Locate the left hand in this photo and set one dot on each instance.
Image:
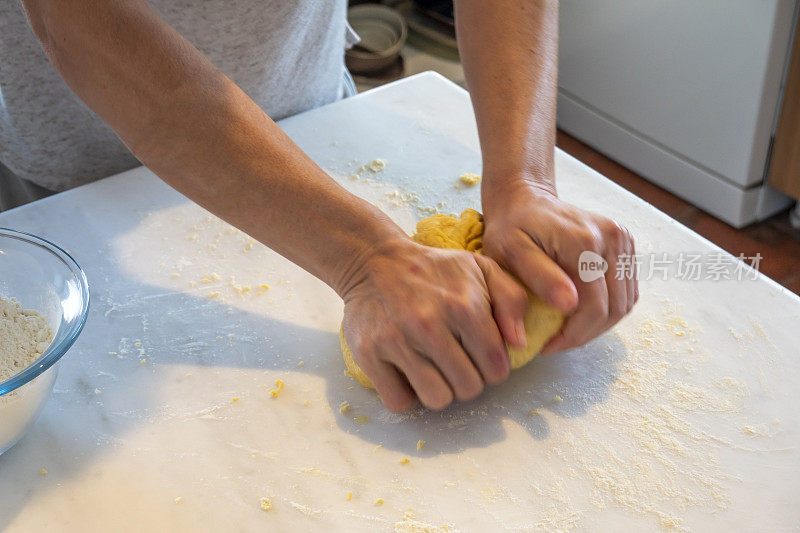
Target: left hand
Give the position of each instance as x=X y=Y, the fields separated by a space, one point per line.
x=539 y=238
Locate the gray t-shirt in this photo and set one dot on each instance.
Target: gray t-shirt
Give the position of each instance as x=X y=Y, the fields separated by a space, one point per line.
x=287 y=55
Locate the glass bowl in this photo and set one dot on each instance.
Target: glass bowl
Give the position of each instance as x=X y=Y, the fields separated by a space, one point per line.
x=43 y=277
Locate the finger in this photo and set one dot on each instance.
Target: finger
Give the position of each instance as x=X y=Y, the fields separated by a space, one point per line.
x=473 y=324
x=587 y=322
x=635 y=277
x=392 y=387
x=630 y=250
x=508 y=299
x=458 y=369
x=540 y=273
x=426 y=380
x=617 y=286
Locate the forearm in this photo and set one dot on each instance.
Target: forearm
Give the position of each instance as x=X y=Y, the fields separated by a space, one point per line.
x=509 y=50
x=200 y=133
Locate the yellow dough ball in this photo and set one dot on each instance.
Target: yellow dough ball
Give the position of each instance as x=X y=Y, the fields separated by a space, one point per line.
x=353 y=370
x=542 y=321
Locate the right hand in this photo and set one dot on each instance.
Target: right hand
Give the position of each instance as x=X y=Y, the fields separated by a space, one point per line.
x=430 y=324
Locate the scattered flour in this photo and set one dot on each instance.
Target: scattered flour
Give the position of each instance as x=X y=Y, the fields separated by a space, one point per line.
x=24 y=337
x=410 y=525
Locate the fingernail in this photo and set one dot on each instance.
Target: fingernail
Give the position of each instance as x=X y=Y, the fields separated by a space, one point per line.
x=519 y=330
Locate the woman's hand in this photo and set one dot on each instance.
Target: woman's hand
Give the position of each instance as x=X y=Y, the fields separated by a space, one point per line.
x=430 y=324
x=539 y=238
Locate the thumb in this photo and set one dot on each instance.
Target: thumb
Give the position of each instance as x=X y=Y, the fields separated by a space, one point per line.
x=509 y=301
x=542 y=276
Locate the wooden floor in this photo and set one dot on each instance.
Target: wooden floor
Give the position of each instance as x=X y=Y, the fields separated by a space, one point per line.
x=775 y=239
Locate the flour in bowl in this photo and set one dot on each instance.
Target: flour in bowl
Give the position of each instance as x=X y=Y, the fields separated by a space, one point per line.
x=24 y=337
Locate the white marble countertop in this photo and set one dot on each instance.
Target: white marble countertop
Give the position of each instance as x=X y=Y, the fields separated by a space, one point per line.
x=684 y=416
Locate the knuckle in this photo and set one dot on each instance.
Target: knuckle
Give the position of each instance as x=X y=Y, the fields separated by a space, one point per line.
x=588 y=239
x=618 y=310
x=498 y=375
x=438 y=403
x=403 y=359
x=421 y=321
x=469 y=391
x=498 y=368
x=389 y=337
x=475 y=305
x=399 y=404
x=439 y=399
x=501 y=248
x=519 y=296
x=394 y=407
x=628 y=235
x=616 y=235
x=609 y=227
x=598 y=310
x=462 y=306
x=363 y=348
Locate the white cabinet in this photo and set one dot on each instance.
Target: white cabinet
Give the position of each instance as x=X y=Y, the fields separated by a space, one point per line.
x=684 y=92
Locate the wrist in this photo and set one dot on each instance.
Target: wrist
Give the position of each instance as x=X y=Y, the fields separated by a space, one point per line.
x=499 y=190
x=371 y=257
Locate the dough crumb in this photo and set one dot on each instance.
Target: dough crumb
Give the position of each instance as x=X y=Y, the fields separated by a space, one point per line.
x=278 y=388
x=143 y=361
x=378 y=447
x=349 y=496
x=379 y=501
x=405 y=461
x=265 y=504
x=213 y=294
x=178 y=499
x=420 y=444
x=210 y=278
x=377 y=165
x=264 y=286
x=344 y=407
x=534 y=412
x=362 y=419
x=301 y=363
x=468 y=178
x=558 y=398
x=43 y=472
x=235 y=399
x=308 y=403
